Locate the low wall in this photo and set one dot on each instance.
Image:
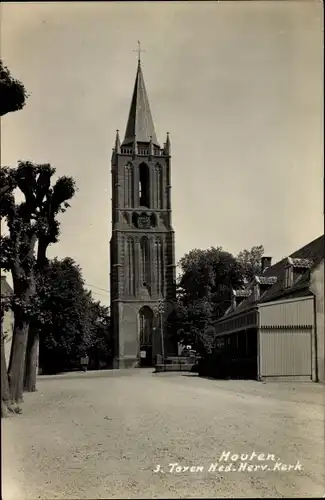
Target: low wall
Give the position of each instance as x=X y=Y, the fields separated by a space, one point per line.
x=176 y=363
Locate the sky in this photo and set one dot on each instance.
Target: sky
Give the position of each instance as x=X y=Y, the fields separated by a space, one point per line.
x=239 y=86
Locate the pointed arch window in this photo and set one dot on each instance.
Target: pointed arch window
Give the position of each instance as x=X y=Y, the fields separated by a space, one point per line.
x=159 y=186
x=129 y=272
x=146 y=324
x=144 y=185
x=159 y=265
x=145 y=262
x=128 y=185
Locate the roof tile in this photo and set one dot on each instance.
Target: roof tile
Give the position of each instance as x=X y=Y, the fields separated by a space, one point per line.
x=242 y=293
x=266 y=280
x=303 y=263
x=311 y=254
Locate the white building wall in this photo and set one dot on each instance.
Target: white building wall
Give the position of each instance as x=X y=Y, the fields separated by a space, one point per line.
x=317 y=287
x=291 y=312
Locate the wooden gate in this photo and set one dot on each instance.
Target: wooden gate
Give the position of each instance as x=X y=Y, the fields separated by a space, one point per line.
x=286 y=353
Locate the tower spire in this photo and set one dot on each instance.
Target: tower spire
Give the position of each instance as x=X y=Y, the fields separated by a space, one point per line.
x=140 y=123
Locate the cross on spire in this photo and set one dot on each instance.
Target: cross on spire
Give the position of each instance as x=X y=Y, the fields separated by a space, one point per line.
x=139 y=50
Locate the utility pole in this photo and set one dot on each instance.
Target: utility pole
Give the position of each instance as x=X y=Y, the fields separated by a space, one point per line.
x=160 y=308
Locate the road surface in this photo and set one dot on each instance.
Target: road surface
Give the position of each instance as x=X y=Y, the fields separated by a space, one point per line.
x=104 y=434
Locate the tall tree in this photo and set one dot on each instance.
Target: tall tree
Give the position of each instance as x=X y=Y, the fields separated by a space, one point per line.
x=28 y=222
x=62 y=314
x=12 y=98
x=4 y=379
x=55 y=201
x=204 y=290
x=12 y=92
x=204 y=293
x=250 y=260
x=98 y=342
x=70 y=321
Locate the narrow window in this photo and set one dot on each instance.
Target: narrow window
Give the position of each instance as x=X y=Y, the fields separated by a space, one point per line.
x=126 y=269
x=128 y=185
x=129 y=270
x=159 y=266
x=145 y=263
x=144 y=186
x=288 y=276
x=159 y=187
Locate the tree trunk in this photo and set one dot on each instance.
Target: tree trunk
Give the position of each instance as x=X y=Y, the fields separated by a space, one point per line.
x=5 y=397
x=32 y=352
x=17 y=359
x=31 y=361
x=24 y=289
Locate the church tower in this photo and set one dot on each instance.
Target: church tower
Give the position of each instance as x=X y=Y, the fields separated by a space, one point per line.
x=142 y=242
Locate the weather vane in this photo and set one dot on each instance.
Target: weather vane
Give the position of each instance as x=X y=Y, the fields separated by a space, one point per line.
x=139 y=50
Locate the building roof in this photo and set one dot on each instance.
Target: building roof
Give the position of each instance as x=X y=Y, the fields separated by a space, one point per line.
x=266 y=280
x=301 y=263
x=307 y=258
x=242 y=293
x=140 y=126
x=5 y=288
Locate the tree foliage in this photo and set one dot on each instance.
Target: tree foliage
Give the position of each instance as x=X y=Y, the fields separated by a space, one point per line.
x=205 y=285
x=32 y=221
x=98 y=341
x=70 y=321
x=12 y=92
x=12 y=98
x=250 y=261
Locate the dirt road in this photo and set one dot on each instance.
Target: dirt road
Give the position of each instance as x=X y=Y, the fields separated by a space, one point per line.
x=104 y=434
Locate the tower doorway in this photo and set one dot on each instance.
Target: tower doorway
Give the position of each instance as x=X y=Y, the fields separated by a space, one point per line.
x=145 y=336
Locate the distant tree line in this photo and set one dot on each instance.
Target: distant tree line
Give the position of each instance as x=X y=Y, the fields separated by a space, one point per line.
x=71 y=323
